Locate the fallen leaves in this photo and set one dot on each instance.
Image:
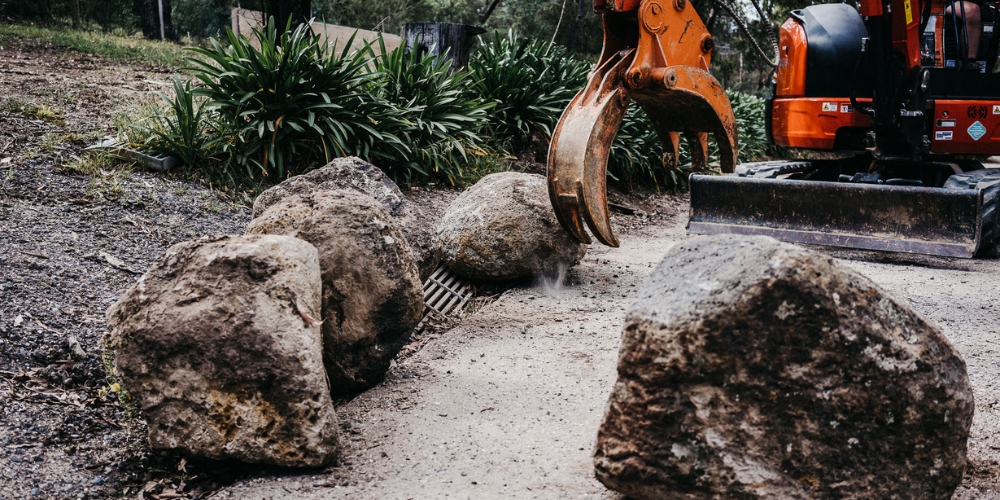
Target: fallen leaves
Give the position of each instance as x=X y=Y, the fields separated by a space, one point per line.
x=40 y=390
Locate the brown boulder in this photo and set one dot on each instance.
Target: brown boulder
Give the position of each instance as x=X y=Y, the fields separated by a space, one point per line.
x=503 y=227
x=751 y=368
x=216 y=343
x=355 y=174
x=372 y=296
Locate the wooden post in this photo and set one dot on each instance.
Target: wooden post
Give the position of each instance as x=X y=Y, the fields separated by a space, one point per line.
x=438 y=38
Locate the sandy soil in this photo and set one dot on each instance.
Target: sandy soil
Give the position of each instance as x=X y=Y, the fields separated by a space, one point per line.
x=503 y=402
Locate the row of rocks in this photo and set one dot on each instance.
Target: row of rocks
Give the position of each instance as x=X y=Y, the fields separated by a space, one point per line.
x=235 y=346
x=501 y=228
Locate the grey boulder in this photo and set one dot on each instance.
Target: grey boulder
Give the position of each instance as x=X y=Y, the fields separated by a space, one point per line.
x=218 y=344
x=358 y=175
x=372 y=296
x=503 y=227
x=751 y=368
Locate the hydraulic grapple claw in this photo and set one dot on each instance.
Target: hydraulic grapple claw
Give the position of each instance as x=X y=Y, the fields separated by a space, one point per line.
x=578 y=152
x=666 y=71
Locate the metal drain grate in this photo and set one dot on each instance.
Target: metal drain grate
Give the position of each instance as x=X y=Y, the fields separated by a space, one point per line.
x=445 y=292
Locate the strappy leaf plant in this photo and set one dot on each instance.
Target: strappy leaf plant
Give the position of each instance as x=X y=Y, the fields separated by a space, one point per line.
x=186 y=130
x=294 y=103
x=530 y=82
x=439 y=121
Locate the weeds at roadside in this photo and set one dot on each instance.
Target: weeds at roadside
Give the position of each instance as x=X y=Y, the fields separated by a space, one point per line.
x=482 y=164
x=43 y=112
x=130 y=418
x=128 y=118
x=107 y=173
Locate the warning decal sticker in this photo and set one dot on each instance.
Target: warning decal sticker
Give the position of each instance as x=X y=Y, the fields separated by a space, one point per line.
x=943 y=135
x=830 y=106
x=977 y=131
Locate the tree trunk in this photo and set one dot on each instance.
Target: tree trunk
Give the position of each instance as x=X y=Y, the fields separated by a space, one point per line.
x=75 y=5
x=282 y=10
x=579 y=24
x=150 y=17
x=438 y=38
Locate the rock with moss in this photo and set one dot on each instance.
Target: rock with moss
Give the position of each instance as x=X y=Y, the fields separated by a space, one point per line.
x=220 y=344
x=355 y=174
x=751 y=368
x=372 y=295
x=503 y=228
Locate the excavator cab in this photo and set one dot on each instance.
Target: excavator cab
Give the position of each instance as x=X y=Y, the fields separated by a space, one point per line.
x=895 y=90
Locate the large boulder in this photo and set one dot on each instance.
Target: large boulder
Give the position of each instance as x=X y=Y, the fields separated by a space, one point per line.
x=751 y=368
x=219 y=345
x=356 y=174
x=372 y=296
x=503 y=228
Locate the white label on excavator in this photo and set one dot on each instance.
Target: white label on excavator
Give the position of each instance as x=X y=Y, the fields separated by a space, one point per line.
x=996 y=109
x=846 y=108
x=943 y=135
x=830 y=106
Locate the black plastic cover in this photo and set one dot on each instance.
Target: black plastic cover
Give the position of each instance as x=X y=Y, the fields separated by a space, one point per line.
x=952 y=84
x=834 y=33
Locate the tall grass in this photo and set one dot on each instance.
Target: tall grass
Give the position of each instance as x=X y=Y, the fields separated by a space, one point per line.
x=261 y=115
x=294 y=104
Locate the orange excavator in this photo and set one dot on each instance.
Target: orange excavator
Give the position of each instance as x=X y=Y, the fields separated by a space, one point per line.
x=905 y=90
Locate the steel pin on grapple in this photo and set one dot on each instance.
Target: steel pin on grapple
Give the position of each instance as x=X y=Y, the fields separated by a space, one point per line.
x=656 y=52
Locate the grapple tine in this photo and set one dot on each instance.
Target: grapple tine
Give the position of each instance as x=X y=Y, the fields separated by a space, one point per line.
x=578 y=152
x=671 y=150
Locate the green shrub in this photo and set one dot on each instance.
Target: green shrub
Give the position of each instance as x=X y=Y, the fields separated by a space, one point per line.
x=529 y=82
x=750 y=123
x=438 y=120
x=294 y=104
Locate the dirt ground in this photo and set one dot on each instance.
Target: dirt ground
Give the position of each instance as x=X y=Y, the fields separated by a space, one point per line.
x=502 y=402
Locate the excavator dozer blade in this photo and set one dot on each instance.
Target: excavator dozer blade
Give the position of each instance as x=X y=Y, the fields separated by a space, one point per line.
x=924 y=220
x=578 y=152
